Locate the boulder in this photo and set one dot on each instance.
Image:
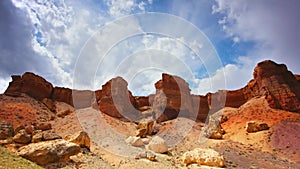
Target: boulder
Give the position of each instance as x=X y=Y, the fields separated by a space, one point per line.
x=37 y=136
x=22 y=137
x=50 y=135
x=49 y=104
x=80 y=138
x=253 y=126
x=208 y=157
x=43 y=126
x=134 y=141
x=213 y=129
x=47 y=152
x=157 y=145
x=147 y=155
x=116 y=101
x=145 y=127
x=6 y=130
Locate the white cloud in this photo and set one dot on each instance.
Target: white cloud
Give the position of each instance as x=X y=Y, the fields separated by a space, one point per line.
x=235 y=76
x=119 y=8
x=272 y=25
x=3 y=85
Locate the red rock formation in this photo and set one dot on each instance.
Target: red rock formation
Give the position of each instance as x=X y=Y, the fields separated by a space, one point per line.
x=15 y=86
x=203 y=107
x=279 y=86
x=172 y=97
x=36 y=86
x=62 y=94
x=143 y=103
x=31 y=84
x=117 y=101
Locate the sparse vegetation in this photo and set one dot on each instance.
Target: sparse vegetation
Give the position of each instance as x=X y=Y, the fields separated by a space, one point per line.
x=12 y=161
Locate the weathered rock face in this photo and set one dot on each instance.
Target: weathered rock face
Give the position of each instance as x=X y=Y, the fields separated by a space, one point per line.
x=15 y=86
x=203 y=107
x=157 y=145
x=36 y=86
x=208 y=157
x=6 y=130
x=48 y=152
x=117 y=101
x=62 y=94
x=80 y=138
x=172 y=96
x=281 y=88
x=31 y=84
x=253 y=126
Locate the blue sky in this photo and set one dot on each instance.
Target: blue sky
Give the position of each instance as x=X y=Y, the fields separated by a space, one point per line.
x=51 y=38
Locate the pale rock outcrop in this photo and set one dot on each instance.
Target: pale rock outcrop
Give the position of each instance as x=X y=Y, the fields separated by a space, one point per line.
x=80 y=138
x=157 y=145
x=208 y=157
x=213 y=129
x=48 y=152
x=145 y=127
x=147 y=155
x=50 y=135
x=134 y=141
x=37 y=136
x=22 y=137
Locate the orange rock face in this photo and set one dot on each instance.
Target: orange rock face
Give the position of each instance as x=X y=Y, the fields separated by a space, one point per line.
x=172 y=98
x=277 y=84
x=62 y=94
x=117 y=101
x=31 y=84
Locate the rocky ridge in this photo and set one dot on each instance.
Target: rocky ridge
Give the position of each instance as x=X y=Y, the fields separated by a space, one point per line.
x=173 y=98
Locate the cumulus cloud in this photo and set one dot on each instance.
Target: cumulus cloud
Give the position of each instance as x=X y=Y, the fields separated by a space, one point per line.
x=272 y=25
x=16 y=51
x=235 y=76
